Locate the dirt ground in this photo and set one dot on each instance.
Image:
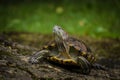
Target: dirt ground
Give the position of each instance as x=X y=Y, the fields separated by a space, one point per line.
x=16 y=48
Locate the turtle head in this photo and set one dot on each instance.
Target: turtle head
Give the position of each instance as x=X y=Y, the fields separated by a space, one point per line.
x=61 y=38
x=59 y=33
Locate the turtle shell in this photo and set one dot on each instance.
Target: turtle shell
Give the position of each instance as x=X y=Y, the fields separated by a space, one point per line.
x=77 y=48
x=78 y=44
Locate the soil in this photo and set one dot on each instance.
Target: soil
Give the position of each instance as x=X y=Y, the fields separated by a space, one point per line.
x=16 y=48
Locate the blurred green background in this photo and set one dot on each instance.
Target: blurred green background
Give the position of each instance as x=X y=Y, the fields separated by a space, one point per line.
x=95 y=18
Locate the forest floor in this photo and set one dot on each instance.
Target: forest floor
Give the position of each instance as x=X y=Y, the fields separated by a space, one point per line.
x=16 y=48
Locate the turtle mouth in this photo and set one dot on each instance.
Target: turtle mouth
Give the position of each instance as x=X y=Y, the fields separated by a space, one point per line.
x=58 y=33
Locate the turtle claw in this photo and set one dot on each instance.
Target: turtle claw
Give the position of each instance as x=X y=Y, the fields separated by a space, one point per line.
x=33 y=61
x=35 y=58
x=99 y=67
x=84 y=65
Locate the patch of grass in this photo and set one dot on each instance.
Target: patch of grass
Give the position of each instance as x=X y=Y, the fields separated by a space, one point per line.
x=89 y=18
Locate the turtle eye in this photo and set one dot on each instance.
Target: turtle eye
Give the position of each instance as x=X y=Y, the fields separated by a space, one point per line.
x=80 y=51
x=59 y=28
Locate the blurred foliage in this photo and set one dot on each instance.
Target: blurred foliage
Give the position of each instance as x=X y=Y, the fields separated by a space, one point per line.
x=96 y=18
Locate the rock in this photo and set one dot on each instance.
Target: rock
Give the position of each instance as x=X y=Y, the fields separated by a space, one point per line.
x=14 y=63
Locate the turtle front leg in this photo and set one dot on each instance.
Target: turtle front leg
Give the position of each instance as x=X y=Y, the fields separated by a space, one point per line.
x=35 y=58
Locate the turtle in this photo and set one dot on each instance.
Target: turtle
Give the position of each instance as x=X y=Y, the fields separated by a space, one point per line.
x=67 y=51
